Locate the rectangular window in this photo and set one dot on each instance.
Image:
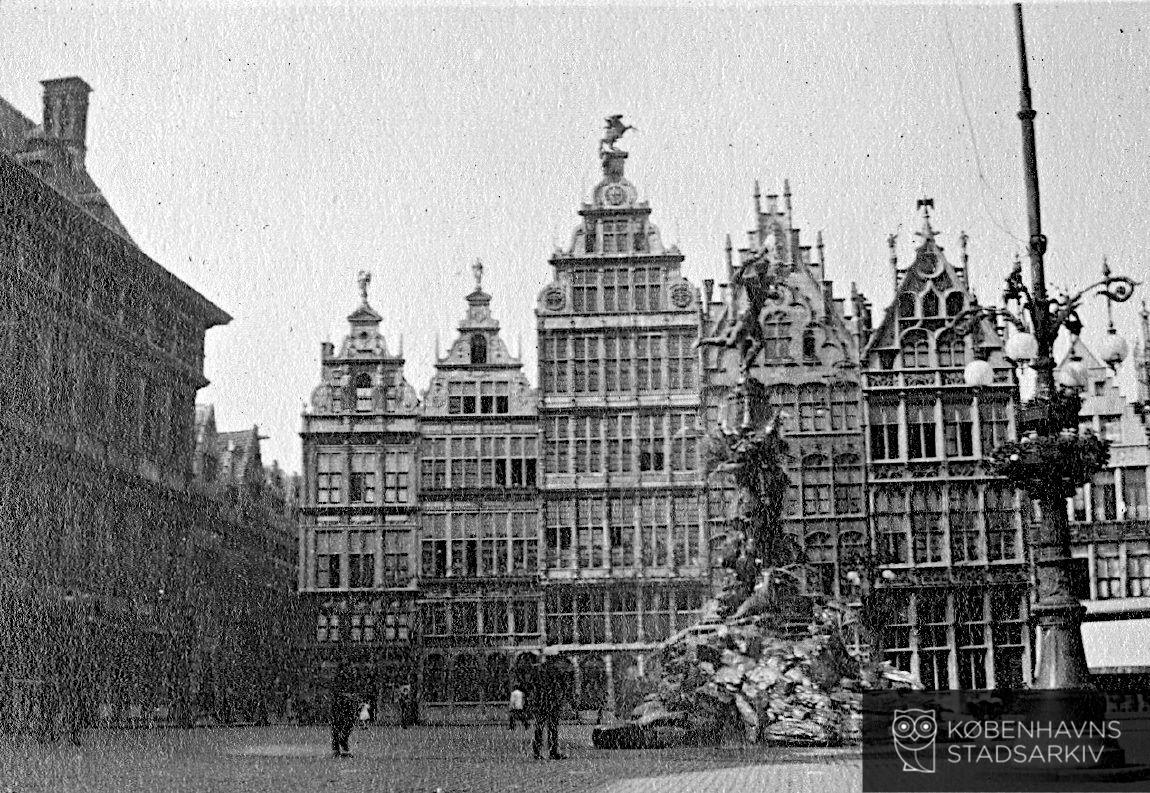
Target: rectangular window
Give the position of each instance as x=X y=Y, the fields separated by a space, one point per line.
x=994 y=424
x=958 y=427
x=329 y=478
x=1105 y=495
x=464 y=618
x=654 y=531
x=848 y=485
x=1137 y=569
x=395 y=473
x=926 y=524
x=396 y=567
x=649 y=362
x=328 y=545
x=615 y=235
x=624 y=610
x=920 y=428
x=656 y=615
x=1001 y=534
x=584 y=291
x=895 y=607
x=890 y=526
x=684 y=441
x=524 y=617
x=621 y=520
x=495 y=620
x=361 y=487
x=435 y=619
x=680 y=361
x=884 y=431
x=970 y=629
x=844 y=408
x=651 y=443
x=933 y=642
x=1107 y=571
x=1134 y=494
x=965 y=539
x=609 y=295
x=361 y=560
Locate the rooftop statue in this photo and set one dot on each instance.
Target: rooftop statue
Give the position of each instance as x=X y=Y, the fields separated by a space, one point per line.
x=612 y=132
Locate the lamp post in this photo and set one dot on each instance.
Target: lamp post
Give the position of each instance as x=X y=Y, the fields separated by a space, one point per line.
x=1052 y=412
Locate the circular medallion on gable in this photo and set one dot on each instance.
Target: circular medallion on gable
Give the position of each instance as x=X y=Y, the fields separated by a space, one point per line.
x=614 y=195
x=554 y=299
x=681 y=296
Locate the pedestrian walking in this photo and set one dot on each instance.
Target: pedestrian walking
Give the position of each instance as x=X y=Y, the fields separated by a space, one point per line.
x=342 y=720
x=406 y=706
x=551 y=691
x=364 y=715
x=517 y=710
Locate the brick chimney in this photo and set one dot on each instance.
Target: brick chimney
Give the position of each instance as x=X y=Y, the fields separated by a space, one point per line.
x=66 y=113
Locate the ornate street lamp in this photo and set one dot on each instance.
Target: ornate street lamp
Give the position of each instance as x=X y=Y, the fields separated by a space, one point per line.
x=1051 y=458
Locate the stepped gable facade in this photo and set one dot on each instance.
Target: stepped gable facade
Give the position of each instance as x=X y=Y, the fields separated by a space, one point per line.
x=624 y=553
x=359 y=509
x=479 y=561
x=808 y=363
x=951 y=536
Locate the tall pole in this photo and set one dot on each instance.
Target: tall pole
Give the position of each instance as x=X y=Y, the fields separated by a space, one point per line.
x=1058 y=614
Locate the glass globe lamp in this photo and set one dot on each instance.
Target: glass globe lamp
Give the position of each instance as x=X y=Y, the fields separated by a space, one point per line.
x=1021 y=347
x=978 y=373
x=1074 y=374
x=1113 y=349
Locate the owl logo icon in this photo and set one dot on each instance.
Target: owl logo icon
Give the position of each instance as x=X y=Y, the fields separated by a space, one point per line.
x=914 y=732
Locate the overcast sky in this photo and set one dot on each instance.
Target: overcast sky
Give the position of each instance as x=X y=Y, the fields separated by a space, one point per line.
x=265 y=152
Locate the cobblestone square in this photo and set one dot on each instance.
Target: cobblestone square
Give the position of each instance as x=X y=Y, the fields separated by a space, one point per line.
x=390 y=760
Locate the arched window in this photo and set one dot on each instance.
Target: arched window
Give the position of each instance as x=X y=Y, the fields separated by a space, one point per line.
x=954 y=304
x=593 y=691
x=915 y=350
x=951 y=349
x=848 y=484
x=363 y=393
x=466 y=679
x=810 y=349
x=821 y=561
x=930 y=304
x=852 y=555
x=478 y=348
x=777 y=336
x=906 y=307
x=496 y=678
x=434 y=679
x=816 y=485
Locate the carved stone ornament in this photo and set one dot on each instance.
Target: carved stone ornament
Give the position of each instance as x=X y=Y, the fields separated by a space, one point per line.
x=554 y=299
x=681 y=295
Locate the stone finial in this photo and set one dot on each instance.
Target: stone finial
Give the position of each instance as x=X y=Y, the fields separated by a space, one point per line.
x=477 y=271
x=364 y=280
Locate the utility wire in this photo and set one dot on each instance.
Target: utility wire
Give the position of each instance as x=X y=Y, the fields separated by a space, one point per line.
x=958 y=70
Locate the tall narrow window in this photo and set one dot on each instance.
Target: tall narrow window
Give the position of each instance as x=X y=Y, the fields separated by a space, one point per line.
x=884 y=431
x=616 y=238
x=478 y=348
x=584 y=289
x=361 y=560
x=816 y=485
x=994 y=425
x=821 y=562
x=930 y=304
x=933 y=642
x=329 y=478
x=777 y=336
x=915 y=350
x=363 y=393
x=327 y=560
x=848 y=484
x=958 y=427
x=361 y=488
x=970 y=627
x=926 y=524
x=1137 y=569
x=395 y=474
x=1107 y=571
x=1134 y=493
x=920 y=430
x=813 y=413
x=1001 y=534
x=810 y=350
x=906 y=306
x=890 y=526
x=1105 y=498
x=844 y=408
x=965 y=539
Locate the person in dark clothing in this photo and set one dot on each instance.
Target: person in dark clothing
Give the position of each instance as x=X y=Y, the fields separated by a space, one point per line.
x=549 y=692
x=343 y=714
